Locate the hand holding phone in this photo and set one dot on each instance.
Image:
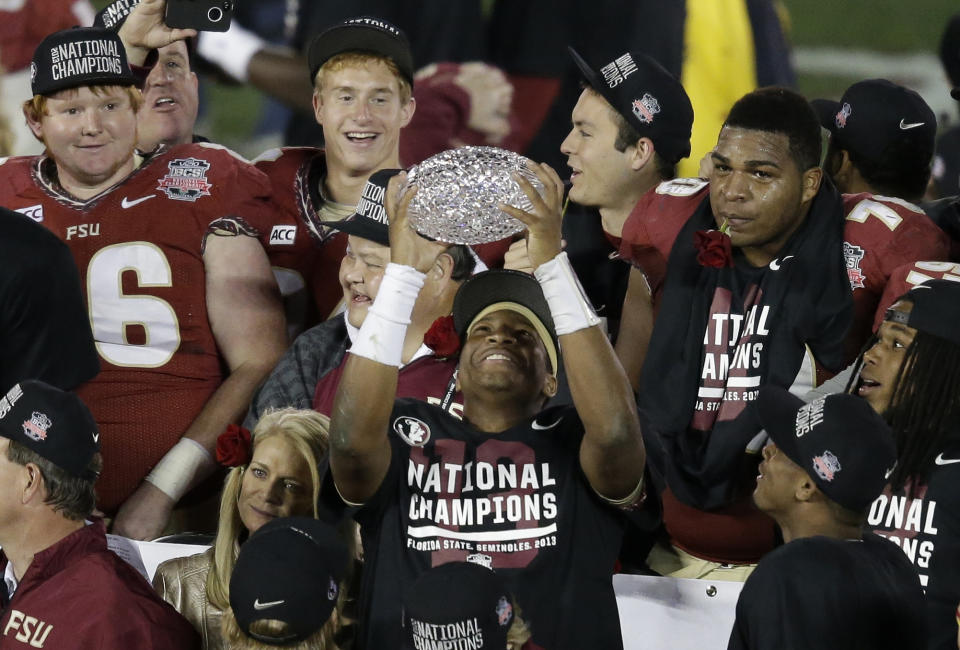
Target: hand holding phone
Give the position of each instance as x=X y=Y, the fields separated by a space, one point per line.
x=201 y=15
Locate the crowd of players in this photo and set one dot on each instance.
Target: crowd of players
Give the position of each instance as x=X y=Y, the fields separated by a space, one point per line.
x=456 y=446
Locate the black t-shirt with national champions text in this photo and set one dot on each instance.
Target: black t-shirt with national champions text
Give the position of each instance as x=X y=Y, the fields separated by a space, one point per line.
x=517 y=502
x=923 y=519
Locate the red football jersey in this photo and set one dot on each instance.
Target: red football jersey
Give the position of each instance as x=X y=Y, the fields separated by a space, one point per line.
x=881 y=234
x=655 y=222
x=304 y=254
x=24 y=23
x=138 y=247
x=906 y=277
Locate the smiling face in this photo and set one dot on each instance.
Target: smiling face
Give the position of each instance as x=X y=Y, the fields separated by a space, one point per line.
x=361 y=271
x=881 y=363
x=757 y=188
x=503 y=353
x=362 y=109
x=598 y=172
x=90 y=136
x=170 y=100
x=276 y=483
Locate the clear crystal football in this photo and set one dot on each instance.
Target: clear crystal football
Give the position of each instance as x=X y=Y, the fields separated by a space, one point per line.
x=458 y=192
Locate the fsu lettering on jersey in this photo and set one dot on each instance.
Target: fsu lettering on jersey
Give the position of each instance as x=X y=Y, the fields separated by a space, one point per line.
x=138 y=247
x=516 y=502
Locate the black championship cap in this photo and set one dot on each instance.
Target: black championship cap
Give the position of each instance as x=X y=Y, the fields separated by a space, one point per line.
x=363 y=34
x=370 y=219
x=53 y=423
x=648 y=97
x=290 y=571
x=114 y=14
x=457 y=605
x=936 y=309
x=82 y=56
x=500 y=289
x=874 y=114
x=839 y=440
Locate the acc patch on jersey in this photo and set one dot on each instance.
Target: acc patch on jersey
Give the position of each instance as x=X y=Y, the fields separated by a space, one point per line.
x=414 y=432
x=853 y=255
x=187 y=179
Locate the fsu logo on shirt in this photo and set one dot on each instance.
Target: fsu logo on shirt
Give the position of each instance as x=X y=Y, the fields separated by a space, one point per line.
x=414 y=432
x=187 y=180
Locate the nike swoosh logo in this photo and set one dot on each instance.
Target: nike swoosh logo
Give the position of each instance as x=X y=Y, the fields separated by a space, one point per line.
x=887 y=474
x=905 y=127
x=940 y=460
x=126 y=203
x=96 y=437
x=775 y=264
x=536 y=426
x=273 y=603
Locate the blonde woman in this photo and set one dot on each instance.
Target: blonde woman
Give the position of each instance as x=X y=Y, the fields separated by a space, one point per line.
x=276 y=478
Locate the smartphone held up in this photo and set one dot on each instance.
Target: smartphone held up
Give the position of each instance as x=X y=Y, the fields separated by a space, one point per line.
x=201 y=15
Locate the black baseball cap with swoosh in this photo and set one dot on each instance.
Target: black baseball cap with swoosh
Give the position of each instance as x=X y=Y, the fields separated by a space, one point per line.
x=289 y=570
x=875 y=114
x=54 y=423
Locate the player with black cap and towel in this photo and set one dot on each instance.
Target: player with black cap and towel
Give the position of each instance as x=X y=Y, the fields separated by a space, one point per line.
x=535 y=494
x=62 y=587
x=183 y=305
x=286 y=586
x=830 y=585
x=911 y=376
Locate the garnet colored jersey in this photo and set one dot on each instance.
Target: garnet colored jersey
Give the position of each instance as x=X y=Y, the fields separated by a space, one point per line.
x=139 y=249
x=517 y=502
x=923 y=519
x=880 y=234
x=24 y=23
x=906 y=277
x=304 y=254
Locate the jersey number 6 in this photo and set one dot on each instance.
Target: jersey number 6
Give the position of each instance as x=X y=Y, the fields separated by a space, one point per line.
x=112 y=311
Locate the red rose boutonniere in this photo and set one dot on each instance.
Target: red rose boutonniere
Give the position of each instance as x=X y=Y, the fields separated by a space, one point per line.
x=713 y=247
x=233 y=446
x=442 y=337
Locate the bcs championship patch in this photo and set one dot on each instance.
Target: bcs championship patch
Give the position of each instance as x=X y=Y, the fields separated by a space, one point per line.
x=414 y=432
x=852 y=255
x=187 y=179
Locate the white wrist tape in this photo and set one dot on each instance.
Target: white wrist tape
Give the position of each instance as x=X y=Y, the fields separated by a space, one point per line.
x=383 y=330
x=230 y=50
x=181 y=468
x=568 y=306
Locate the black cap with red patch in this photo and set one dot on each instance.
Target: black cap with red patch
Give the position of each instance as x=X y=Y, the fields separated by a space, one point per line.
x=648 y=97
x=838 y=440
x=54 y=423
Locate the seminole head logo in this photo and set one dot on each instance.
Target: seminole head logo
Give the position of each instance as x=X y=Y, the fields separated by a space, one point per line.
x=826 y=465
x=36 y=427
x=842 y=115
x=414 y=432
x=646 y=107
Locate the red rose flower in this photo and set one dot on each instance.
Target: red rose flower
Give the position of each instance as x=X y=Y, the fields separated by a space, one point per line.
x=442 y=337
x=233 y=446
x=713 y=248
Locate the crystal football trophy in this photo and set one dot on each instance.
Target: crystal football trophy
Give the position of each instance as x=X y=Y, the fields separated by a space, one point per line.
x=458 y=192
